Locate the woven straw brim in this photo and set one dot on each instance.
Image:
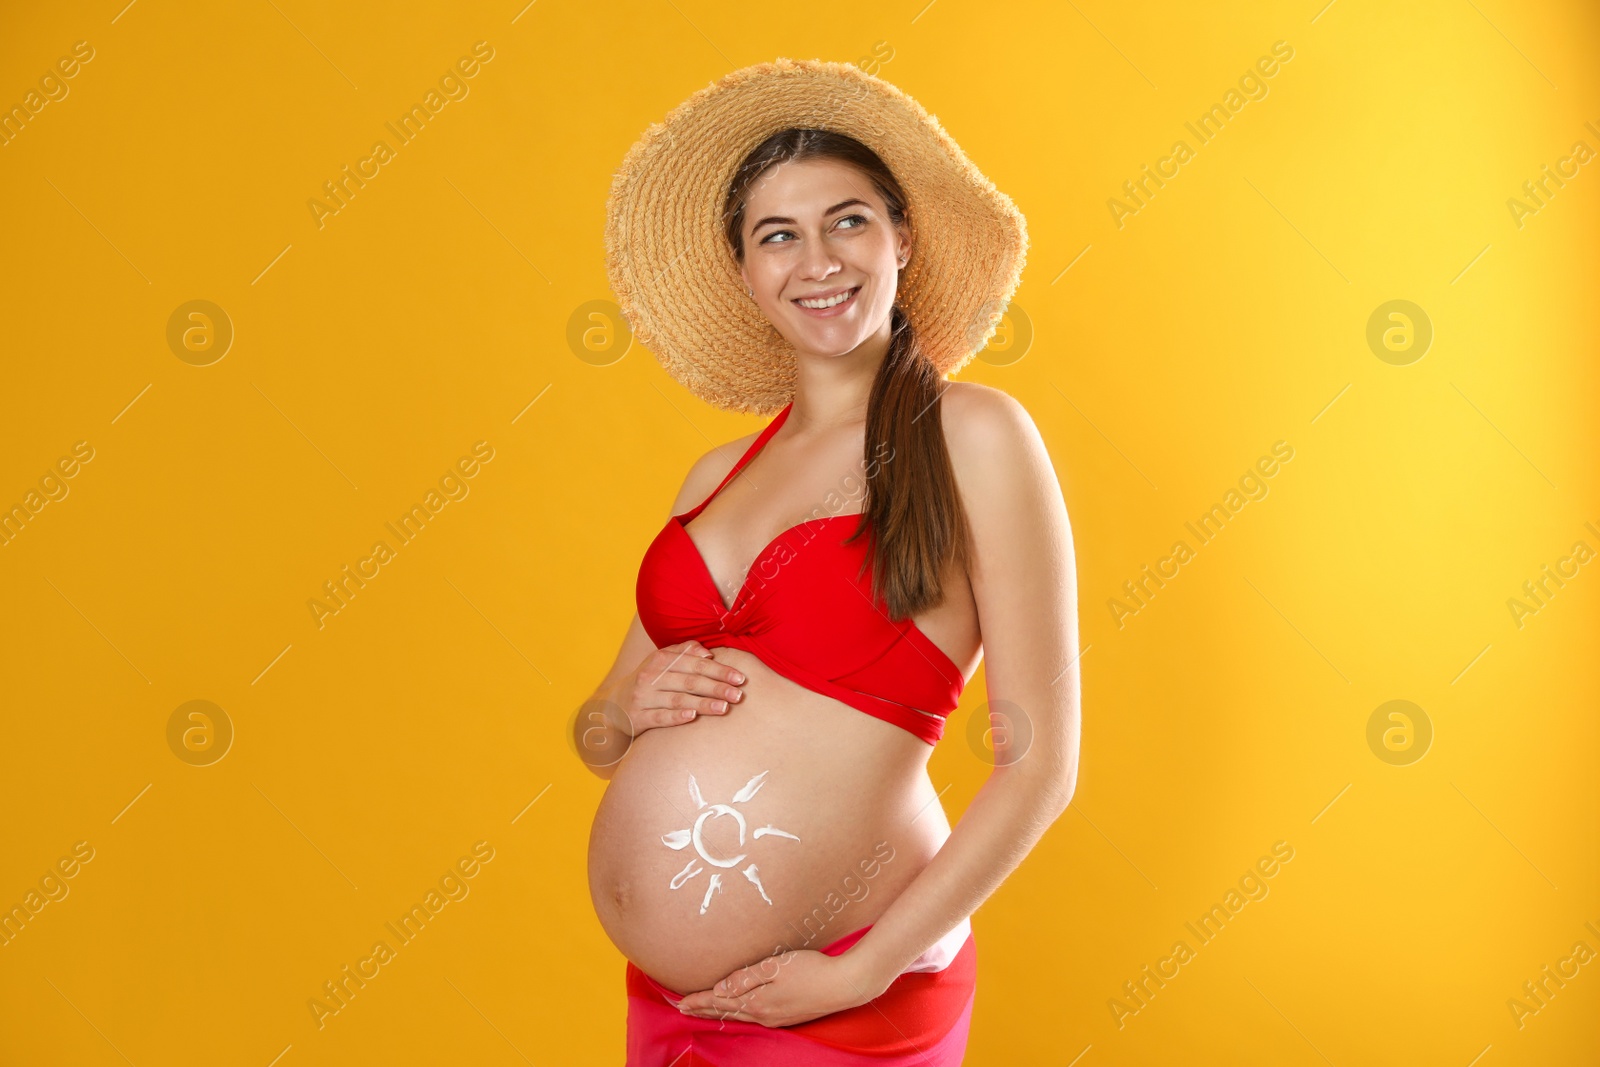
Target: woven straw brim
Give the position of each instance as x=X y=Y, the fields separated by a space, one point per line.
x=677 y=281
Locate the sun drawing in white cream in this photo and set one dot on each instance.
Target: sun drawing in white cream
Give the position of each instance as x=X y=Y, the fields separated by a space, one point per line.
x=678 y=839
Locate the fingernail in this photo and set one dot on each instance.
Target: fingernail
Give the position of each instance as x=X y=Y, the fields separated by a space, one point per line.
x=738 y=679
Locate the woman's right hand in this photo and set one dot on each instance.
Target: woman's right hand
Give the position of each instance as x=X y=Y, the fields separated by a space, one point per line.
x=675 y=684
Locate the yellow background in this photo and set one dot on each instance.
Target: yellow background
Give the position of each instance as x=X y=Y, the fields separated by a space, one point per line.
x=431 y=311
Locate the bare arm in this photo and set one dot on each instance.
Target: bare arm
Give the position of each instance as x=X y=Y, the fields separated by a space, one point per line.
x=601 y=730
x=1024 y=581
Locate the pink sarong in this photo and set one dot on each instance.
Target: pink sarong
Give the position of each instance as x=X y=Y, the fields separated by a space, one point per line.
x=921 y=1020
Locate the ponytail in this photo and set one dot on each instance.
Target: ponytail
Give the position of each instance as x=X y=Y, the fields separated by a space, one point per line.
x=912 y=505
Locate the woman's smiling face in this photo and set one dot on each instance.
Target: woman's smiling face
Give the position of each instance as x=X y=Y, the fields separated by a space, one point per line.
x=814 y=230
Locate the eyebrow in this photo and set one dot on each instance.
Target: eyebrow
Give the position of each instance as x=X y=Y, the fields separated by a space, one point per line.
x=779 y=219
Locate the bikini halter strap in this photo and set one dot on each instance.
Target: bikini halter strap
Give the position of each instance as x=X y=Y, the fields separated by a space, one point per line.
x=749 y=453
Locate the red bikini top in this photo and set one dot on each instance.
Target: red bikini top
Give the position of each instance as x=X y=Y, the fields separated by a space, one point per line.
x=804 y=612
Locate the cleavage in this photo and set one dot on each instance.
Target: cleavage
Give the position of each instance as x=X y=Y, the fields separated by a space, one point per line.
x=709 y=563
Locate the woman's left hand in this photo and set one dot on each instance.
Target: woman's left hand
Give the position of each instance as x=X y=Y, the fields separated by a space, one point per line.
x=792 y=987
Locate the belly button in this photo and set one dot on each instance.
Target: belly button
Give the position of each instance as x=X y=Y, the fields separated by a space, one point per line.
x=621 y=896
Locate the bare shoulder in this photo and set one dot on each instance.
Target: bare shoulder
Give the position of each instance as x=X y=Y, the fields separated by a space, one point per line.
x=707 y=472
x=987 y=429
x=1003 y=470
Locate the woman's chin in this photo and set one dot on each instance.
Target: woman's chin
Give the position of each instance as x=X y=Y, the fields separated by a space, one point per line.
x=824 y=344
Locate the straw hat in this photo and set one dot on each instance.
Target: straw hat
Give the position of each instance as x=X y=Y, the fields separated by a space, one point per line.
x=677 y=281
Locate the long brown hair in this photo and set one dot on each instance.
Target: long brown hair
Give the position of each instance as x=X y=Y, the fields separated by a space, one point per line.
x=912 y=509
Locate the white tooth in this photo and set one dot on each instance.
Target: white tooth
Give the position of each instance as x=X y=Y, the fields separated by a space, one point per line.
x=828 y=303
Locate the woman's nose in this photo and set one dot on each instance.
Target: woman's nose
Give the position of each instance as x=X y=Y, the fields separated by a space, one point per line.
x=817 y=262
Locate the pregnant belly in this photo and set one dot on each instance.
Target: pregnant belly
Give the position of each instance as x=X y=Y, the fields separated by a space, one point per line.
x=785 y=824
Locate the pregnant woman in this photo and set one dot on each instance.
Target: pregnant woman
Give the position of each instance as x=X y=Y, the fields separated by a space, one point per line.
x=803 y=240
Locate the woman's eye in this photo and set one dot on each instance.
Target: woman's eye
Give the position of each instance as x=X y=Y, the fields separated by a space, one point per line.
x=862 y=219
